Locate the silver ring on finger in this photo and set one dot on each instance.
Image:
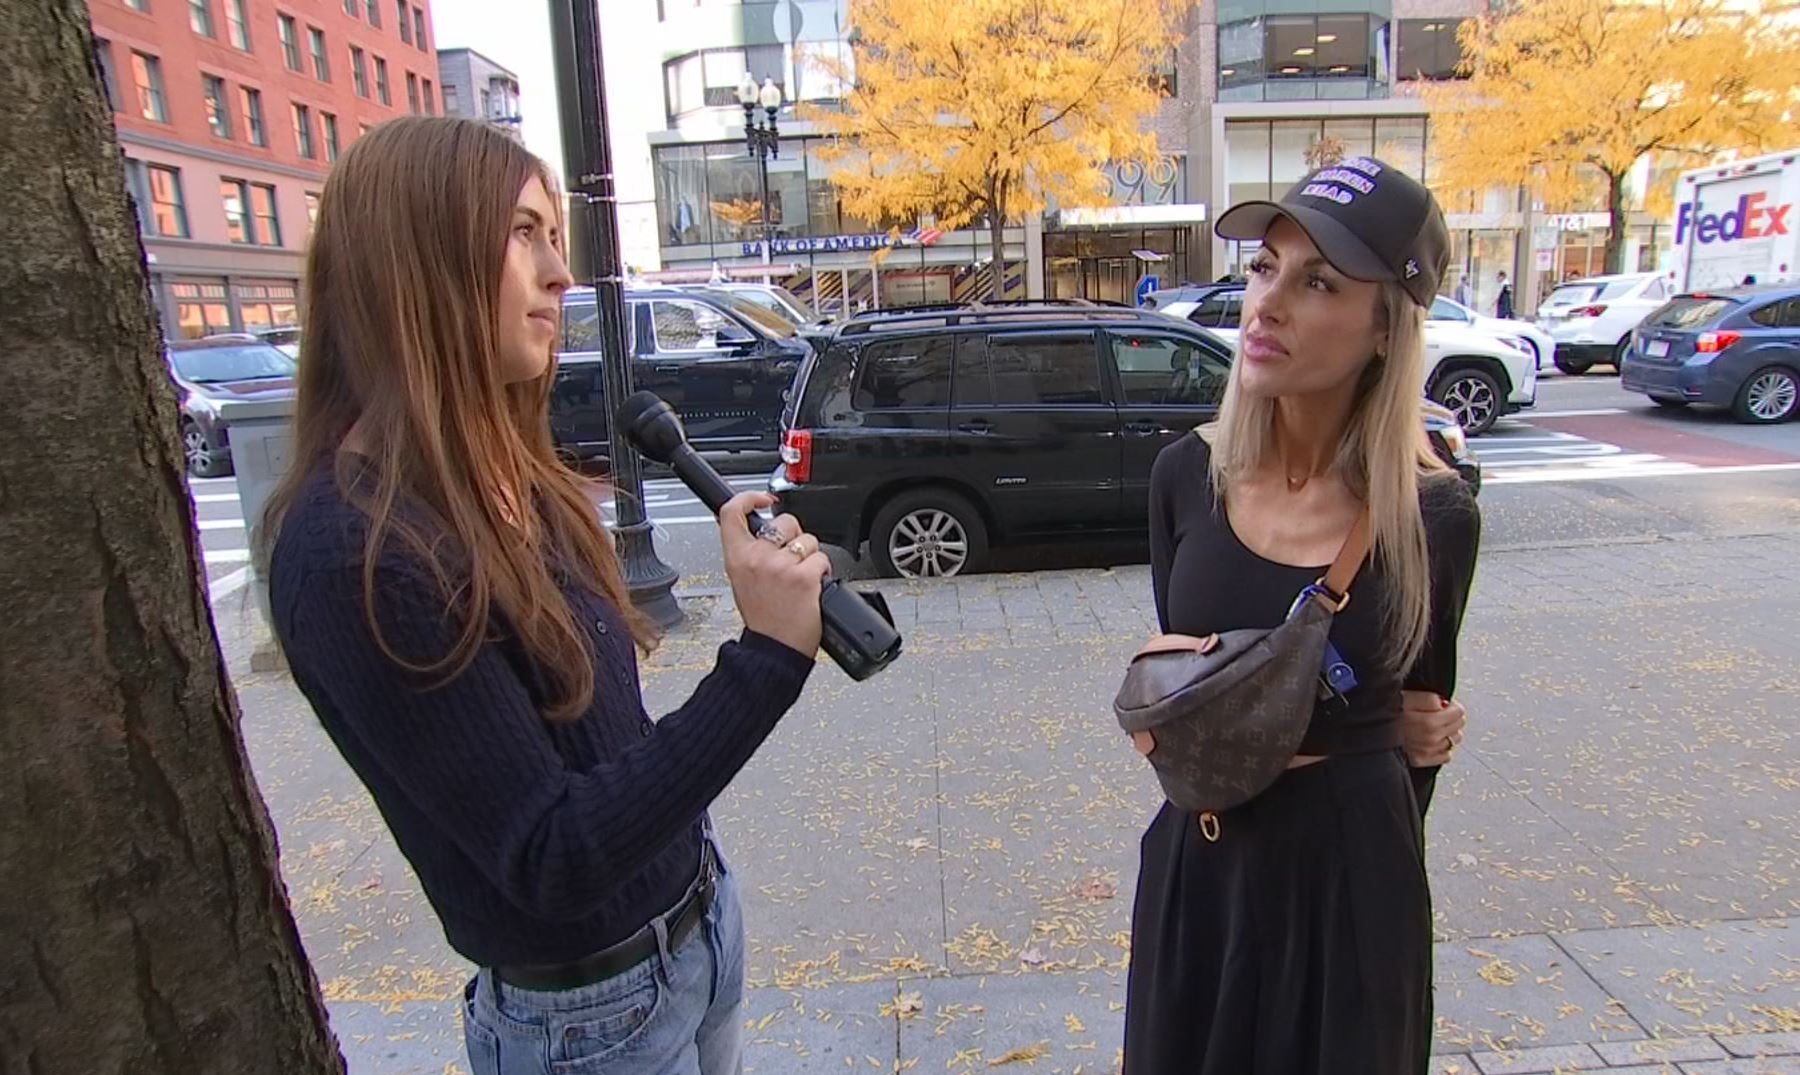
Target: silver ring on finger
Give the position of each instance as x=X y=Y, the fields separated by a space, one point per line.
x=772 y=534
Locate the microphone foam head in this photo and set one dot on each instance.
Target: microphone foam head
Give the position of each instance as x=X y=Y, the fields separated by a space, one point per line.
x=652 y=425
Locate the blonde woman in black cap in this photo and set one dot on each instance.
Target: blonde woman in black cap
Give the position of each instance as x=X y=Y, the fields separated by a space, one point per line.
x=1292 y=935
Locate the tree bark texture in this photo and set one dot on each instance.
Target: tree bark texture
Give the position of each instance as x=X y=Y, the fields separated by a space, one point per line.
x=144 y=926
x=1617 y=222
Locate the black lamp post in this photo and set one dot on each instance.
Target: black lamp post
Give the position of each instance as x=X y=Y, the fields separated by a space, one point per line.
x=587 y=153
x=763 y=141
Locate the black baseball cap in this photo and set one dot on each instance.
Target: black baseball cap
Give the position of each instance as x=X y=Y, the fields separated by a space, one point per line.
x=1370 y=220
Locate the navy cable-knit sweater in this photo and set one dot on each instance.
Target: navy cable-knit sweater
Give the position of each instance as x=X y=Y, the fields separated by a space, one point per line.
x=536 y=842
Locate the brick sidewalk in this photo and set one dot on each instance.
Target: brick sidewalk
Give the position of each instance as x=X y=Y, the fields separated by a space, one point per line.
x=938 y=863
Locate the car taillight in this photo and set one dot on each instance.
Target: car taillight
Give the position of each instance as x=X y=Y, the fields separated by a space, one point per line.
x=796 y=455
x=1711 y=343
x=1587 y=311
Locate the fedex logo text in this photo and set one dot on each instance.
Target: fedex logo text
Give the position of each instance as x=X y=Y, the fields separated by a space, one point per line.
x=1751 y=219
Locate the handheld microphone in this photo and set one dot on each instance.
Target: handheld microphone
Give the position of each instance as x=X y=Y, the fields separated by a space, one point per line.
x=857 y=628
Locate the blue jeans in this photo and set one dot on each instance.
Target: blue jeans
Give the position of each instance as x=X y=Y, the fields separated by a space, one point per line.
x=676 y=1013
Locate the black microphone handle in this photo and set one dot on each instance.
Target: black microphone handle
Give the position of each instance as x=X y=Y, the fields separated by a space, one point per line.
x=700 y=477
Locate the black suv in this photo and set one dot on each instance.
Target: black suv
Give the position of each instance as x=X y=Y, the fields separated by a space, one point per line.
x=724 y=363
x=935 y=433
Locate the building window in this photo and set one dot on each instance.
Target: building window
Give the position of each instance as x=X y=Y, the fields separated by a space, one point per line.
x=352 y=10
x=419 y=27
x=201 y=309
x=312 y=210
x=359 y=73
x=1164 y=78
x=267 y=304
x=681 y=204
x=400 y=17
x=412 y=92
x=290 y=41
x=235 y=193
x=200 y=17
x=709 y=79
x=250 y=213
x=430 y=99
x=250 y=101
x=303 y=137
x=262 y=210
x=321 y=66
x=157 y=191
x=146 y=72
x=218 y=114
x=374 y=7
x=450 y=102
x=331 y=135
x=1303 y=57
x=381 y=82
x=1429 y=49
x=237 y=23
x=138 y=5
x=487 y=104
x=109 y=81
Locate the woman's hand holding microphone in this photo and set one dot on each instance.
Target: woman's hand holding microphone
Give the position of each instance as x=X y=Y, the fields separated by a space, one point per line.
x=776 y=584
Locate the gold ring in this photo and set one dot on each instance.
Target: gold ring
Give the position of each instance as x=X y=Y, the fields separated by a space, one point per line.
x=797 y=549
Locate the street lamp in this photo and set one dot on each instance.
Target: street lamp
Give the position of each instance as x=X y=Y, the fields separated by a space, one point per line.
x=587 y=153
x=763 y=142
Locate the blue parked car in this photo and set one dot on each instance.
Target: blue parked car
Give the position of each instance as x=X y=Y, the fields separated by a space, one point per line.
x=1736 y=348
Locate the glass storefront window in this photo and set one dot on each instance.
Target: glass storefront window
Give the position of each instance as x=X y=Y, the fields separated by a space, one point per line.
x=1247 y=163
x=1357 y=136
x=1288 y=142
x=733 y=197
x=201 y=308
x=681 y=195
x=1401 y=142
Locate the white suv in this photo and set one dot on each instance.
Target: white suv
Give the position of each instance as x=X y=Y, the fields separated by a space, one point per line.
x=1476 y=376
x=1534 y=339
x=1591 y=320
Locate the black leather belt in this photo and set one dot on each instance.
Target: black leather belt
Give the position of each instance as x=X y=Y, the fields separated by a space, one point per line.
x=681 y=922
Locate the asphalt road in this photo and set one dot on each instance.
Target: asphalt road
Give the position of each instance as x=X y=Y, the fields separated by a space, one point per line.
x=1588 y=464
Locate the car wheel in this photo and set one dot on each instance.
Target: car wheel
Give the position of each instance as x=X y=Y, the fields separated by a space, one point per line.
x=928 y=533
x=203 y=459
x=1472 y=396
x=1618 y=355
x=1770 y=395
x=1573 y=367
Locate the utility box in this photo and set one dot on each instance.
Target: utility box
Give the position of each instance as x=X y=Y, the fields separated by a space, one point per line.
x=262 y=449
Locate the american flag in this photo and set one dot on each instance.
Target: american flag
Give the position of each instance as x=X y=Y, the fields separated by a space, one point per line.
x=923 y=236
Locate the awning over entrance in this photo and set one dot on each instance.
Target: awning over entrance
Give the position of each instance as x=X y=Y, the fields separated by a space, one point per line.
x=1131 y=216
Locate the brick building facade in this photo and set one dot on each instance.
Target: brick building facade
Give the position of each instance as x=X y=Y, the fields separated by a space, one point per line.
x=229 y=114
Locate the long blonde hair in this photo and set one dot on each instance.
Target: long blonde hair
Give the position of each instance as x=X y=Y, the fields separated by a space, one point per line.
x=457 y=466
x=1382 y=457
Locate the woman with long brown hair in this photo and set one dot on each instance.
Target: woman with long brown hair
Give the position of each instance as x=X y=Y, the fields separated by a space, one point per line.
x=1291 y=935
x=453 y=610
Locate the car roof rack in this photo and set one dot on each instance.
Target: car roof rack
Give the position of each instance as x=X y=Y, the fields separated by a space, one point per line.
x=944 y=314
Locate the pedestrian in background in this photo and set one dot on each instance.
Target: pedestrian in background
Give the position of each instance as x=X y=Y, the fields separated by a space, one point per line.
x=1291 y=935
x=1503 y=306
x=1464 y=293
x=456 y=616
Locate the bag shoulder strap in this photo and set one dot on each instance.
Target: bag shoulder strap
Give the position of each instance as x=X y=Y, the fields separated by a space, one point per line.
x=1349 y=560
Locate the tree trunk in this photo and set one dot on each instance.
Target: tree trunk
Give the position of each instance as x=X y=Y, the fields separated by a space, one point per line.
x=1616 y=224
x=997 y=240
x=144 y=926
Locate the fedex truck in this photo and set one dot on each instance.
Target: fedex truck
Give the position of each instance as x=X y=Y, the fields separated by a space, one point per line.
x=1737 y=220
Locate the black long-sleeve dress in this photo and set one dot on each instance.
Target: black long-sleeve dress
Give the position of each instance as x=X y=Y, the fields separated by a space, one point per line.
x=1298 y=942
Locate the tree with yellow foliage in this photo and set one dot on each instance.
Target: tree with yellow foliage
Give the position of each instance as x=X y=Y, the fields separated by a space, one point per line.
x=972 y=109
x=1564 y=97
